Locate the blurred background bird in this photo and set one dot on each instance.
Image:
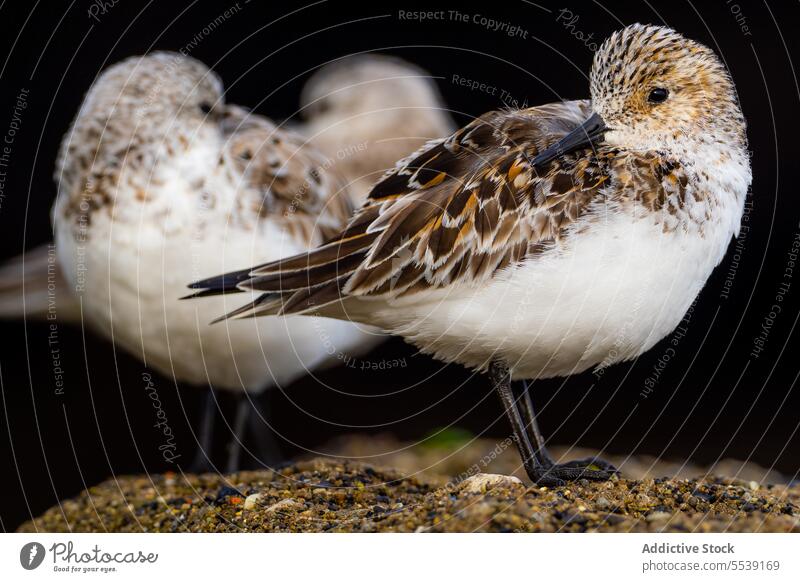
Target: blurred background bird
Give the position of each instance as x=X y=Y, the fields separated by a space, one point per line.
x=160 y=181
x=365 y=112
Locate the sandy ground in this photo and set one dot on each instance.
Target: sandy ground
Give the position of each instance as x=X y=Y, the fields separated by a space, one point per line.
x=452 y=452
x=431 y=488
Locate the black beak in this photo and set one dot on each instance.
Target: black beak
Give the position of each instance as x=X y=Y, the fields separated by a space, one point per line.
x=586 y=134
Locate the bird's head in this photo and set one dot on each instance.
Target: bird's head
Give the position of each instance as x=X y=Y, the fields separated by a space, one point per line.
x=368 y=111
x=139 y=108
x=159 y=90
x=367 y=83
x=653 y=89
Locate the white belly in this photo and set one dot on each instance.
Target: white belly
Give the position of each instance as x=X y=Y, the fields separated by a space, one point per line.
x=130 y=281
x=614 y=292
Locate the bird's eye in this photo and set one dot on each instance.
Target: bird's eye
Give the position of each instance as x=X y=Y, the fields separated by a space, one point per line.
x=205 y=107
x=658 y=95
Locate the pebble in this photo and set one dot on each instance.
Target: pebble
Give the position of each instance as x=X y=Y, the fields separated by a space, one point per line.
x=602 y=503
x=483 y=482
x=251 y=502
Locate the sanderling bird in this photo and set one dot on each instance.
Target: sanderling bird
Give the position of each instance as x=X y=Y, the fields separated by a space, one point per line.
x=160 y=181
x=541 y=242
x=367 y=111
x=362 y=112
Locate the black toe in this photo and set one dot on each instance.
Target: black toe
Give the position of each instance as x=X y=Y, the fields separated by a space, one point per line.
x=590 y=468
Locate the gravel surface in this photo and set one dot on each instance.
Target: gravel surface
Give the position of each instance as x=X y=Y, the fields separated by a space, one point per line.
x=349 y=496
x=454 y=452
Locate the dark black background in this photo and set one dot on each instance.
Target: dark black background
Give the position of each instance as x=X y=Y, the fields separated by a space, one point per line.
x=712 y=400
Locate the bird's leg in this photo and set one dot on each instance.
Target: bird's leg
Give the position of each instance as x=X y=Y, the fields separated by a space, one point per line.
x=268 y=452
x=500 y=376
x=532 y=426
x=235 y=445
x=202 y=458
x=250 y=417
x=548 y=475
x=563 y=470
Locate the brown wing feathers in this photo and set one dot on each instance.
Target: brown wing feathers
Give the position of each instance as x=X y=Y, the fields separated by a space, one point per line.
x=458 y=210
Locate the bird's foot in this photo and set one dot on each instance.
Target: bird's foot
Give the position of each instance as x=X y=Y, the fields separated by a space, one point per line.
x=558 y=474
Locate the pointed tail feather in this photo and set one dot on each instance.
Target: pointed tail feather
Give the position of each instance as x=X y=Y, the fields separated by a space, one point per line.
x=331 y=252
x=285 y=282
x=265 y=304
x=220 y=283
x=299 y=284
x=33 y=285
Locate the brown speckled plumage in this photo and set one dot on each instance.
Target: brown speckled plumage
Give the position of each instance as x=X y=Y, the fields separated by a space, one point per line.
x=500 y=210
x=465 y=207
x=170 y=104
x=284 y=179
x=161 y=181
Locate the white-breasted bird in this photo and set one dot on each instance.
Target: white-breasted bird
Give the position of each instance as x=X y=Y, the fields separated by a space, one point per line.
x=366 y=111
x=160 y=181
x=542 y=242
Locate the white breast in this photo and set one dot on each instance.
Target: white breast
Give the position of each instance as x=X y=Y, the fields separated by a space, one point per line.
x=611 y=293
x=135 y=263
